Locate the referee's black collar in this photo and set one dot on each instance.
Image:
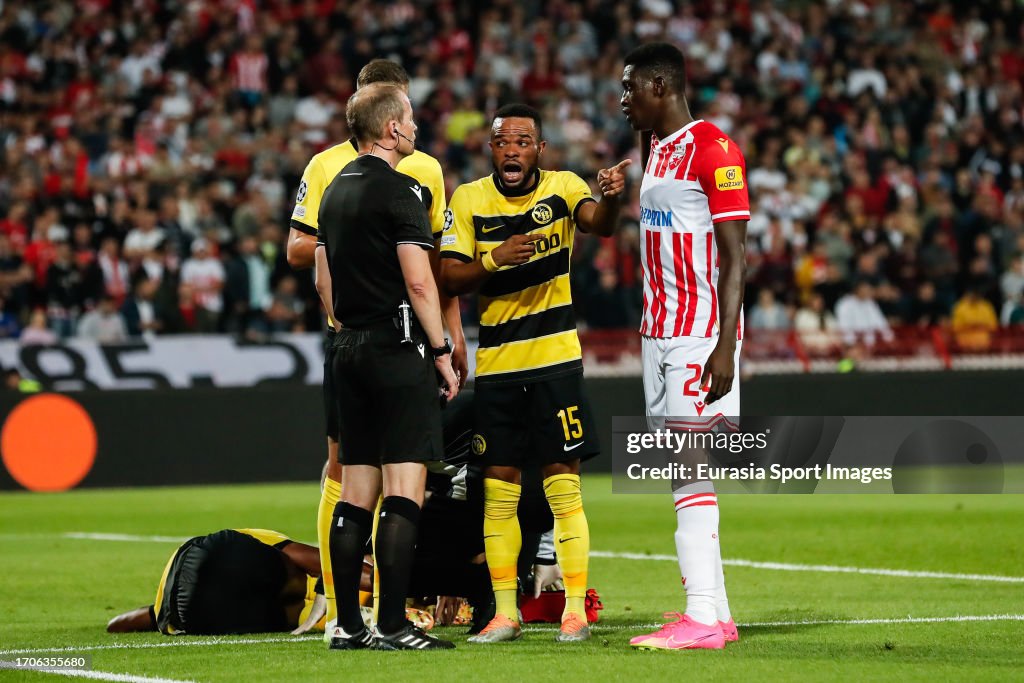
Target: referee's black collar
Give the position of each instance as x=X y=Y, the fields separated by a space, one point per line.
x=355 y=145
x=374 y=156
x=508 y=192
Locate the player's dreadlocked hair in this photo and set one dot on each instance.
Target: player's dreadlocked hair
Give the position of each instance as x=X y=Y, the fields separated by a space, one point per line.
x=660 y=59
x=519 y=111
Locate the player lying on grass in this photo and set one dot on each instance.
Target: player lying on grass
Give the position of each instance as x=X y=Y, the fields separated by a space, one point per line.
x=260 y=581
x=230 y=581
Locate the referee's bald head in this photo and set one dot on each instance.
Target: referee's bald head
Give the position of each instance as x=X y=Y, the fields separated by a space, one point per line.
x=371 y=108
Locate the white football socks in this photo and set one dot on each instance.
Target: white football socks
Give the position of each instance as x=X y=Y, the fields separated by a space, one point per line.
x=699 y=553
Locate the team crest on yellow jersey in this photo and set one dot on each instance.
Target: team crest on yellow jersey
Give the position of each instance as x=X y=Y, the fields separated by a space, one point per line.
x=541 y=214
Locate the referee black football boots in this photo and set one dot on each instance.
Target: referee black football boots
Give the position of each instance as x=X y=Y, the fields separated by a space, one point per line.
x=360 y=640
x=410 y=638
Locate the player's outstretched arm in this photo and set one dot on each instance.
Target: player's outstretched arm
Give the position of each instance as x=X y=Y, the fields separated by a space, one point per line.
x=300 y=249
x=602 y=218
x=306 y=556
x=731 y=238
x=140 y=619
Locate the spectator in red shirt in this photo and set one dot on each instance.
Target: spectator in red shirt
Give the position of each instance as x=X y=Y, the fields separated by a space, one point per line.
x=15 y=228
x=541 y=81
x=249 y=71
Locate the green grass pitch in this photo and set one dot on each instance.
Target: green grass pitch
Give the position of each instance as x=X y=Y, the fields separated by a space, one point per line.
x=58 y=591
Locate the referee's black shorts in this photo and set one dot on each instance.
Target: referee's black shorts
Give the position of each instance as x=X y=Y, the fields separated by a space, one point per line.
x=388 y=407
x=534 y=424
x=330 y=396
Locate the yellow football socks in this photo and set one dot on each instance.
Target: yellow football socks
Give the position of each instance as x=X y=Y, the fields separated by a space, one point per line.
x=572 y=538
x=329 y=498
x=502 y=542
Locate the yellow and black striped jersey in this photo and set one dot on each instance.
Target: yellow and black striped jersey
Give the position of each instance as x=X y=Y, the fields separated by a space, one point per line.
x=267 y=537
x=527 y=326
x=322 y=168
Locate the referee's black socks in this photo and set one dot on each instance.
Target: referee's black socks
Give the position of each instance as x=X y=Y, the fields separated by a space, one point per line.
x=350 y=530
x=394 y=553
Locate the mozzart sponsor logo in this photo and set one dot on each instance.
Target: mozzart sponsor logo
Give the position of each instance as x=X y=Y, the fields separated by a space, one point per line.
x=655 y=217
x=729 y=178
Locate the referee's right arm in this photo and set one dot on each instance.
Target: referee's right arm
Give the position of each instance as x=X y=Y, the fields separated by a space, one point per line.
x=419 y=283
x=414 y=244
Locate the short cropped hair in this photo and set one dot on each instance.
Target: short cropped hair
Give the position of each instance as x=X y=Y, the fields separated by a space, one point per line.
x=370 y=109
x=519 y=111
x=660 y=59
x=382 y=71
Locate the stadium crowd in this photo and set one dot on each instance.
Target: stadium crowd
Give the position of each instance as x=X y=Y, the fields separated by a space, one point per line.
x=152 y=150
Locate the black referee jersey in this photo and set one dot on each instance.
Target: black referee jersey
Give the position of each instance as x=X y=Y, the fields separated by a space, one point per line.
x=368 y=209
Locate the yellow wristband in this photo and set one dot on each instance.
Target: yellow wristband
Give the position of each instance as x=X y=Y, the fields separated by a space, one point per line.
x=488 y=260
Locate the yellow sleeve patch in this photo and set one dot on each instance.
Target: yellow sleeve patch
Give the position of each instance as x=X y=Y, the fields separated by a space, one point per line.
x=729 y=178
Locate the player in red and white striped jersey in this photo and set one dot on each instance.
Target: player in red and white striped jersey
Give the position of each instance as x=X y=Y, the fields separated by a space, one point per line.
x=694 y=210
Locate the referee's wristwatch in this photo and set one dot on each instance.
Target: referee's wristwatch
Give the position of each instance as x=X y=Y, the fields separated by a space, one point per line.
x=442 y=350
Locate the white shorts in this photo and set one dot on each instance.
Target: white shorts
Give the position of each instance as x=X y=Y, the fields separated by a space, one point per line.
x=672 y=370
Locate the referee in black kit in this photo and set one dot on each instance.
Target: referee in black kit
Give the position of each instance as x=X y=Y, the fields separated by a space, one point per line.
x=374 y=237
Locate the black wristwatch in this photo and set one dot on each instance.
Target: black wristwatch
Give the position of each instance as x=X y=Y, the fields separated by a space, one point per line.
x=441 y=350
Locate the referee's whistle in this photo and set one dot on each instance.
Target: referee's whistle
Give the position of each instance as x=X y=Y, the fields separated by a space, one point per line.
x=403 y=314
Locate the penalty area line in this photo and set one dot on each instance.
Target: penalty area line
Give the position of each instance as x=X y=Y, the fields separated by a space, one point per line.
x=823 y=568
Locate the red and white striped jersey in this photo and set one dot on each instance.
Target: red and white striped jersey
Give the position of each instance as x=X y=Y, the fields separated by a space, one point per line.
x=250 y=71
x=694 y=178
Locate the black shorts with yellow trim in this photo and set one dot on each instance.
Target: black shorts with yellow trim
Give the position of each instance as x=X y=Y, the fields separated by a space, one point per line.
x=225 y=582
x=534 y=424
x=330 y=395
x=387 y=398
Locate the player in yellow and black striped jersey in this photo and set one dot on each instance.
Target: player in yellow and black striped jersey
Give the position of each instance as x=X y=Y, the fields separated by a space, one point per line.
x=527 y=327
x=319 y=173
x=231 y=581
x=510 y=236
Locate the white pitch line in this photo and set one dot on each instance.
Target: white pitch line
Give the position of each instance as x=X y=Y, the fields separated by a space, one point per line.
x=107 y=676
x=905 y=620
x=826 y=568
x=127 y=538
x=776 y=566
x=185 y=641
x=177 y=642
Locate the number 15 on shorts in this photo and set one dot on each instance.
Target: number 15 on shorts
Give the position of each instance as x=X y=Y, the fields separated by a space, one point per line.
x=571 y=425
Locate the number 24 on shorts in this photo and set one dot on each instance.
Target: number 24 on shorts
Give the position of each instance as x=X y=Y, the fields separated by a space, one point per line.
x=571 y=424
x=697 y=370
